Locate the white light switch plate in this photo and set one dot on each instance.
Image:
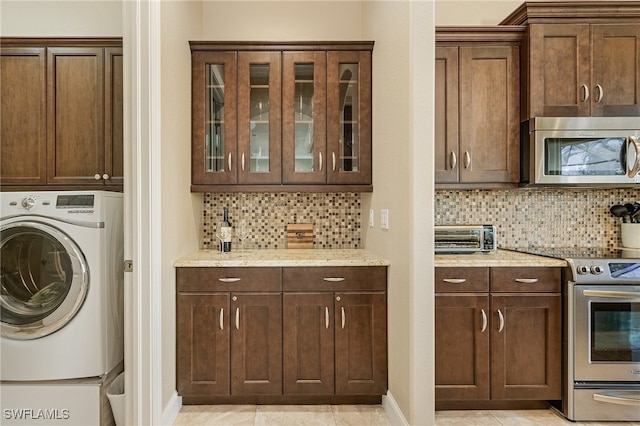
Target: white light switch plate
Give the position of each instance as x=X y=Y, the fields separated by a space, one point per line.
x=384 y=219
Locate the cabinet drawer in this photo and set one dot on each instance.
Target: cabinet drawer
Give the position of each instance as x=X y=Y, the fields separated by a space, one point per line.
x=229 y=279
x=525 y=280
x=462 y=280
x=331 y=278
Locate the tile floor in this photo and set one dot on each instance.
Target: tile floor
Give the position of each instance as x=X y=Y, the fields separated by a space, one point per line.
x=360 y=415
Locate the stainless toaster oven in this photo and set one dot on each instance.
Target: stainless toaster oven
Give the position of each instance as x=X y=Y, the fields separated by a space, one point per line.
x=465 y=238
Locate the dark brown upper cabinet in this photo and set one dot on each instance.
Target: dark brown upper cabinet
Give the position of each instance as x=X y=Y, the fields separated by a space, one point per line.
x=61 y=114
x=477 y=107
x=581 y=59
x=281 y=116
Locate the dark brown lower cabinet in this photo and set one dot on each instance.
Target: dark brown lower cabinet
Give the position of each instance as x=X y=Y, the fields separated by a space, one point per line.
x=499 y=345
x=269 y=335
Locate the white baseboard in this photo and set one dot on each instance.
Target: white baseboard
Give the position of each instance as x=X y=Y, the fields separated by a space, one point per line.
x=390 y=406
x=170 y=412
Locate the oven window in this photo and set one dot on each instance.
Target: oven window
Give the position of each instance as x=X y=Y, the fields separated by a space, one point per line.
x=584 y=156
x=615 y=332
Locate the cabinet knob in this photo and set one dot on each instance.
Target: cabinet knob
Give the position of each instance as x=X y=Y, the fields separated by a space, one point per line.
x=501 y=318
x=320 y=158
x=453 y=160
x=105 y=176
x=97 y=176
x=333 y=156
x=467 y=159
x=484 y=321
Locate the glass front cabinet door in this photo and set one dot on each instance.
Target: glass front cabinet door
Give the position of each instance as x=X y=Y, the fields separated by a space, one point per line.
x=349 y=117
x=281 y=116
x=214 y=141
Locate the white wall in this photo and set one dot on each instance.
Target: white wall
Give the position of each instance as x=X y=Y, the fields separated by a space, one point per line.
x=181 y=210
x=28 y=18
x=474 y=12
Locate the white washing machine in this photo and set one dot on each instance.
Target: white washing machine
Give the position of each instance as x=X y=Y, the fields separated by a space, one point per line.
x=61 y=301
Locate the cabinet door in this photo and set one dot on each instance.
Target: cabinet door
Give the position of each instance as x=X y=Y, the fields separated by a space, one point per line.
x=462 y=347
x=256 y=344
x=308 y=324
x=489 y=114
x=349 y=117
x=304 y=110
x=213 y=128
x=203 y=332
x=361 y=343
x=446 y=115
x=559 y=70
x=259 y=134
x=526 y=352
x=616 y=70
x=75 y=130
x=23 y=120
x=113 y=137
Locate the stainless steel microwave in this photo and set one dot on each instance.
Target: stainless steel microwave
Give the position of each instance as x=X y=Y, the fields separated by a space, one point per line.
x=580 y=151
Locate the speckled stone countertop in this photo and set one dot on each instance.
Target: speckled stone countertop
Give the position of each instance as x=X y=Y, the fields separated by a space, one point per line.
x=497 y=258
x=282 y=257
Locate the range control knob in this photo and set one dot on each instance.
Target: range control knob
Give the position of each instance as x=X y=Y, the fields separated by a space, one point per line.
x=582 y=270
x=28 y=203
x=596 y=269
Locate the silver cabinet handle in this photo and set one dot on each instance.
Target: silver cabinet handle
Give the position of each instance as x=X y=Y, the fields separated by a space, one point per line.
x=105 y=176
x=622 y=398
x=467 y=159
x=585 y=93
x=229 y=280
x=326 y=317
x=97 y=176
x=526 y=280
x=221 y=318
x=333 y=279
x=633 y=160
x=501 y=317
x=333 y=157
x=600 y=93
x=611 y=294
x=454 y=280
x=320 y=158
x=343 y=315
x=229 y=161
x=453 y=160
x=484 y=321
x=237 y=318
x=242 y=162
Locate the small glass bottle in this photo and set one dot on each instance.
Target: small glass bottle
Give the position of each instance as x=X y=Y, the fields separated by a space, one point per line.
x=225 y=232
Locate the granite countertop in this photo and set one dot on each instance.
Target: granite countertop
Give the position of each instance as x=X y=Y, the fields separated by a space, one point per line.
x=497 y=258
x=282 y=257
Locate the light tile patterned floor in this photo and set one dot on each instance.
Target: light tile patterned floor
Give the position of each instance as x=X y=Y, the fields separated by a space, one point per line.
x=361 y=415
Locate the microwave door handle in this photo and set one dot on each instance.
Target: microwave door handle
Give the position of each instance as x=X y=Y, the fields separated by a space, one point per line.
x=633 y=156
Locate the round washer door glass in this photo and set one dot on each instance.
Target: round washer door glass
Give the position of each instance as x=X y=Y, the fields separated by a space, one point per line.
x=45 y=280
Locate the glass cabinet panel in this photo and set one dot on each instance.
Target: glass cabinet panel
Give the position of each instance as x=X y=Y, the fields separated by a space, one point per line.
x=304 y=109
x=214 y=144
x=303 y=117
x=259 y=112
x=348 y=156
x=259 y=117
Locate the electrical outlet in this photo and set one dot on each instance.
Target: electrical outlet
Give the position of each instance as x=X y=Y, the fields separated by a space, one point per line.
x=384 y=219
x=371 y=215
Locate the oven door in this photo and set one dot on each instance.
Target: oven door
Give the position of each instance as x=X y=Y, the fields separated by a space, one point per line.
x=606 y=330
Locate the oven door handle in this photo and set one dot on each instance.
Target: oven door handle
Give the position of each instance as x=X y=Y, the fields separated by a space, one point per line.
x=611 y=294
x=622 y=398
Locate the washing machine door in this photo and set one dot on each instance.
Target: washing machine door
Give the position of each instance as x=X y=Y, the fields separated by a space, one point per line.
x=45 y=279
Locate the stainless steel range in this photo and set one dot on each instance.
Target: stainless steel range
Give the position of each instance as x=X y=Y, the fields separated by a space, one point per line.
x=602 y=334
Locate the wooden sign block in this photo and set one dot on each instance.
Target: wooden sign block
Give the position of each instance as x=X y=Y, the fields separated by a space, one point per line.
x=300 y=235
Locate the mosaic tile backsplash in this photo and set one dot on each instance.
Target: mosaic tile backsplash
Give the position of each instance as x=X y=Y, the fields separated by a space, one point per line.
x=523 y=217
x=335 y=218
x=539 y=217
